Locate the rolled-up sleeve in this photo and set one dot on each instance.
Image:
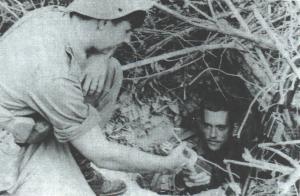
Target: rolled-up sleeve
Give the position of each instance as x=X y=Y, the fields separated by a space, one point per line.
x=61 y=102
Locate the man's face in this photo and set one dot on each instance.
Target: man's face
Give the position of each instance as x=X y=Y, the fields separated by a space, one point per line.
x=215 y=128
x=106 y=36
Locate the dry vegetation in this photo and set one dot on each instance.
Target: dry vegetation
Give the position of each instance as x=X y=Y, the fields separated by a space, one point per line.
x=187 y=45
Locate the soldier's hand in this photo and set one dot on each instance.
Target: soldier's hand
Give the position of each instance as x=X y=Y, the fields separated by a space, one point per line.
x=180 y=157
x=166 y=147
x=163 y=149
x=94 y=75
x=196 y=179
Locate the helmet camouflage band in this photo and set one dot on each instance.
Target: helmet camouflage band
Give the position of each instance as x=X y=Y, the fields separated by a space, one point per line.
x=108 y=9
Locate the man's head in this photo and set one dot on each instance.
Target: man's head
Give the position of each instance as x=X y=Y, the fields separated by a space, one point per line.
x=216 y=121
x=101 y=25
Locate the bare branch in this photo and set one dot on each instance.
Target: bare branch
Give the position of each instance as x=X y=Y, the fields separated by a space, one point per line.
x=226 y=30
x=185 y=51
x=263 y=166
x=278 y=43
x=292 y=142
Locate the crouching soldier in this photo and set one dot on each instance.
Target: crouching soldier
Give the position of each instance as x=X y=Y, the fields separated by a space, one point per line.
x=46 y=60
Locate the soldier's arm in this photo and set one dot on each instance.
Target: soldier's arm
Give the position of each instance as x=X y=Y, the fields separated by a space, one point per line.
x=110 y=155
x=60 y=101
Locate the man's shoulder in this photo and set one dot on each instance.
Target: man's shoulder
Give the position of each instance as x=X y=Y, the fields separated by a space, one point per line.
x=38 y=42
x=35 y=18
x=44 y=11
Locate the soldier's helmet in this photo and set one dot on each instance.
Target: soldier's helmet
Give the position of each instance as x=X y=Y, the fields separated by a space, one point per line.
x=108 y=9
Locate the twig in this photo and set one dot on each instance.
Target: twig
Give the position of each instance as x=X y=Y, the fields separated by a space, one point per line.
x=217 y=166
x=214 y=79
x=250 y=108
x=293 y=176
x=286 y=157
x=225 y=73
x=264 y=166
x=200 y=11
x=5 y=6
x=33 y=4
x=292 y=142
x=209 y=2
x=237 y=15
x=266 y=64
x=257 y=70
x=23 y=10
x=166 y=40
x=230 y=173
x=168 y=71
x=178 y=53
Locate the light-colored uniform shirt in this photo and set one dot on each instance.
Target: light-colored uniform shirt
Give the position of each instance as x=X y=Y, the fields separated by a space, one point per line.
x=39 y=73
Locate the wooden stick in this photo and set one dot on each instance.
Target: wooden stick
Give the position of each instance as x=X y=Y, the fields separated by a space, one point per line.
x=266 y=64
x=167 y=71
x=5 y=6
x=237 y=15
x=264 y=166
x=239 y=132
x=20 y=5
x=178 y=53
x=209 y=2
x=225 y=73
x=292 y=142
x=200 y=11
x=286 y=157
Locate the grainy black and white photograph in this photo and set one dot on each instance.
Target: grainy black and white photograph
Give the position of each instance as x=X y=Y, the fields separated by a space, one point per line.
x=149 y=97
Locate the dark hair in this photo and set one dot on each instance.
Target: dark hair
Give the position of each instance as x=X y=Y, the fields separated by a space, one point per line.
x=215 y=101
x=136 y=19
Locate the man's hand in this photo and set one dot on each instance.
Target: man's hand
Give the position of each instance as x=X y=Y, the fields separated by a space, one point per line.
x=94 y=75
x=163 y=149
x=196 y=179
x=166 y=147
x=180 y=157
x=194 y=175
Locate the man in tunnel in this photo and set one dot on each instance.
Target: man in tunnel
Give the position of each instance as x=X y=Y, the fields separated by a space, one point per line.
x=44 y=58
x=213 y=125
